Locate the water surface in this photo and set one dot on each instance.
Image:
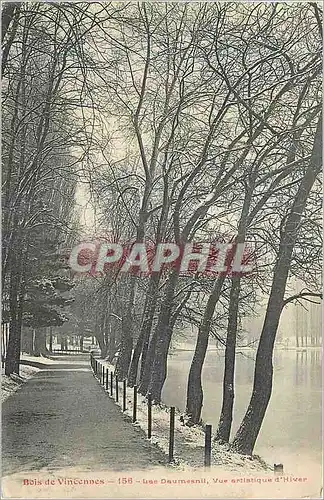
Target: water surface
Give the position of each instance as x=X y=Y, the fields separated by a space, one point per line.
x=291 y=431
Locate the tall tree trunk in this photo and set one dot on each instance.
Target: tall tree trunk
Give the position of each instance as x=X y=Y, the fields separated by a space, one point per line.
x=14 y=341
x=163 y=339
x=250 y=427
x=194 y=386
x=144 y=336
x=6 y=17
x=112 y=347
x=144 y=347
x=226 y=417
x=100 y=334
x=40 y=342
x=27 y=340
x=146 y=368
x=16 y=309
x=51 y=339
x=10 y=16
x=125 y=354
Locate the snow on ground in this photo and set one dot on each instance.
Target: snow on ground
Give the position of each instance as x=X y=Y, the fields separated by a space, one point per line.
x=189 y=441
x=13 y=382
x=53 y=359
x=10 y=384
x=36 y=359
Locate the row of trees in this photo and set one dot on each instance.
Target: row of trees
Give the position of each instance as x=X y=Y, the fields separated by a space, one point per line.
x=191 y=122
x=214 y=127
x=42 y=95
x=308 y=326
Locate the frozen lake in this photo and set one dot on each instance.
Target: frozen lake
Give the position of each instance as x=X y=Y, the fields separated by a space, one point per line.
x=292 y=427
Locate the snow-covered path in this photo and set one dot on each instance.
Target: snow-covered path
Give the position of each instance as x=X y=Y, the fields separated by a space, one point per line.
x=63 y=437
x=62 y=418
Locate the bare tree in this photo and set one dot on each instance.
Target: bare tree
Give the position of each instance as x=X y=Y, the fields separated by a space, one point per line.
x=247 y=434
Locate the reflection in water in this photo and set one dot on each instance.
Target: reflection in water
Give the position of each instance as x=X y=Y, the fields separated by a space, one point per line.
x=292 y=425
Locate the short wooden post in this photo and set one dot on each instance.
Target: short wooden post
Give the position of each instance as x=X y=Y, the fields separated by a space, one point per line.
x=124 y=395
x=117 y=395
x=149 y=416
x=278 y=469
x=107 y=379
x=135 y=404
x=111 y=383
x=208 y=435
x=171 y=436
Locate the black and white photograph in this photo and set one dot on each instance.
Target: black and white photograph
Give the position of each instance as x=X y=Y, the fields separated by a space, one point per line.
x=161 y=331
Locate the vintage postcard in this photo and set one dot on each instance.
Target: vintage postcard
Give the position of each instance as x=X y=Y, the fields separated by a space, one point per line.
x=161 y=249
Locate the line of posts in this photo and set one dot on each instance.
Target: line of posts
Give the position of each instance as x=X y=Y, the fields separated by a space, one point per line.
x=102 y=375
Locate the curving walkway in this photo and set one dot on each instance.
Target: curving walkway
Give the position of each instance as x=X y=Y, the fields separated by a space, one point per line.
x=62 y=418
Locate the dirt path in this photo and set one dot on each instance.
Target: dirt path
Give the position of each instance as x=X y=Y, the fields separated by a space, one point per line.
x=62 y=418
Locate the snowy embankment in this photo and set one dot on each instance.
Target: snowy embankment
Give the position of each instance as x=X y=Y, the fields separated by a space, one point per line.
x=189 y=441
x=10 y=384
x=36 y=359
